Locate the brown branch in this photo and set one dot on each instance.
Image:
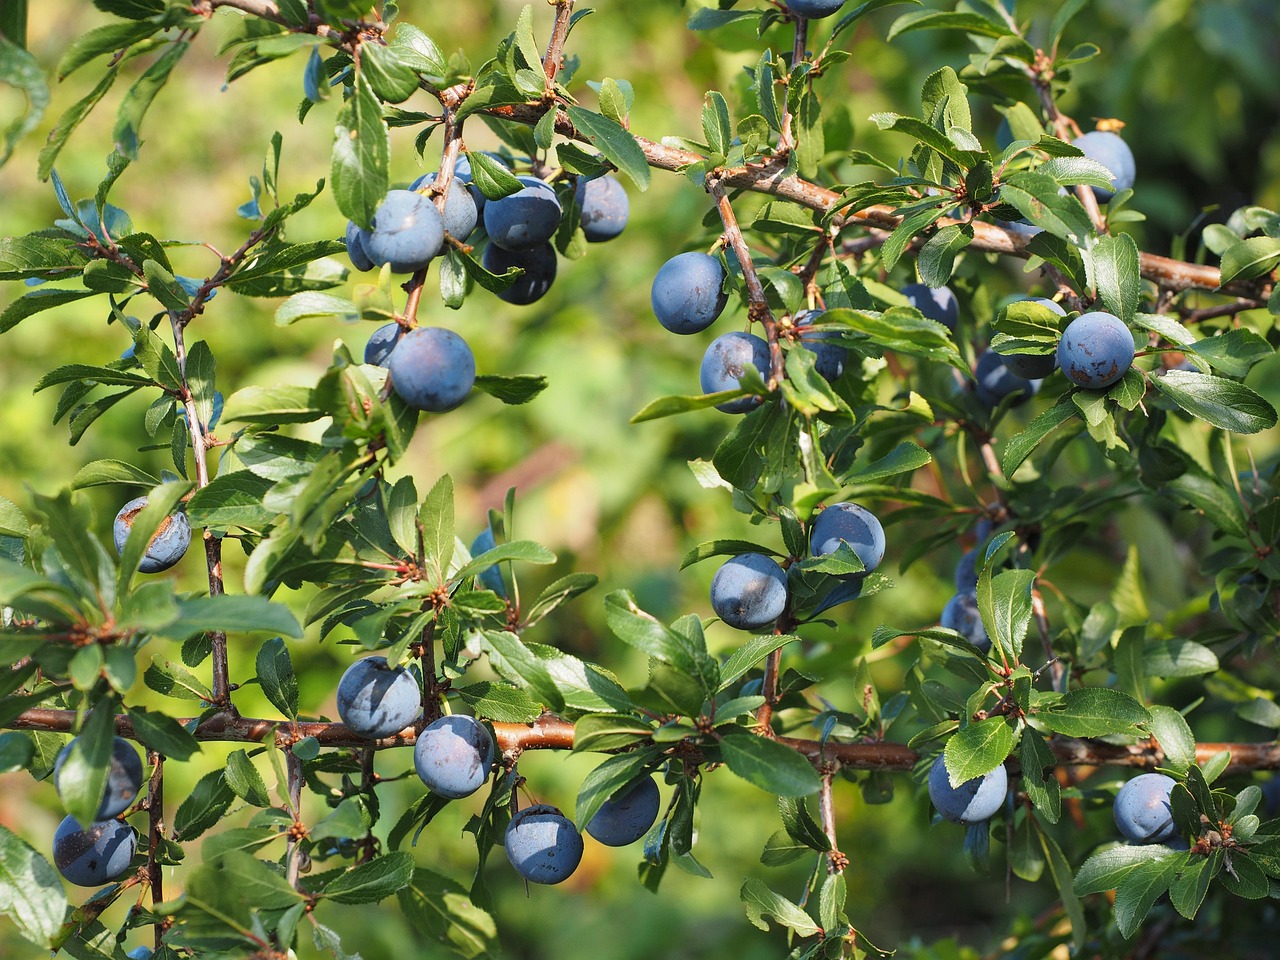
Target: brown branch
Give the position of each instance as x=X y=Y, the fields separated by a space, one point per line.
x=1221 y=310
x=554 y=59
x=785 y=140
x=155 y=837
x=293 y=853
x=757 y=307
x=836 y=861
x=550 y=732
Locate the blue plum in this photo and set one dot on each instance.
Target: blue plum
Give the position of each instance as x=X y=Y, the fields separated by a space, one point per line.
x=490 y=577
x=995 y=381
x=814 y=9
x=936 y=303
x=1142 y=811
x=527 y=218
x=973 y=801
x=1096 y=350
x=961 y=615
x=1112 y=152
x=749 y=591
x=460 y=212
x=407 y=232
x=453 y=756
x=627 y=815
x=723 y=363
x=377 y=700
x=381 y=343
x=852 y=524
x=94 y=856
x=432 y=369
x=538 y=264
x=830 y=358
x=124 y=777
x=168 y=543
x=688 y=292
x=355 y=247
x=139 y=953
x=1032 y=366
x=543 y=844
x=603 y=207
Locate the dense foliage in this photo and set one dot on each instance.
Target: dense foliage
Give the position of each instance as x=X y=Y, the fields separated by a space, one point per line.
x=975 y=488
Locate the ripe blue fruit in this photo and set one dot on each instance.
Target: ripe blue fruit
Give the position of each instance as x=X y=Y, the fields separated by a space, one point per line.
x=1112 y=152
x=627 y=815
x=995 y=381
x=935 y=303
x=453 y=756
x=814 y=9
x=543 y=844
x=490 y=577
x=1032 y=366
x=124 y=777
x=94 y=856
x=407 y=232
x=168 y=543
x=1096 y=350
x=961 y=615
x=973 y=801
x=603 y=207
x=1142 y=811
x=723 y=363
x=749 y=592
x=432 y=369
x=524 y=219
x=376 y=700
x=966 y=575
x=460 y=213
x=381 y=343
x=688 y=292
x=355 y=247
x=852 y=524
x=829 y=357
x=139 y=953
x=538 y=264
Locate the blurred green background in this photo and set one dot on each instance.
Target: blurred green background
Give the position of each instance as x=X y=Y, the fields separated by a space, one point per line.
x=1194 y=82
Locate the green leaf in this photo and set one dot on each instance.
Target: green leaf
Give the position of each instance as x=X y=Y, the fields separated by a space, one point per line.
x=1036 y=197
x=418 y=51
x=1174 y=735
x=138 y=100
x=1060 y=870
x=441 y=910
x=275 y=673
x=1021 y=446
x=256 y=882
x=902 y=330
x=749 y=654
x=1250 y=258
x=101 y=472
x=762 y=902
x=175 y=680
x=19 y=69
x=1118 y=275
x=82 y=781
x=1008 y=612
x=244 y=780
x=230 y=614
x=644 y=632
x=977 y=749
x=514 y=661
x=273 y=405
x=1095 y=712
x=717 y=125
x=31 y=892
x=768 y=764
x=203 y=807
x=163 y=734
x=511 y=390
x=232 y=499
x=100 y=41
x=372 y=880
x=1107 y=868
x=36 y=301
x=942 y=20
x=723 y=548
x=361 y=155
x=71 y=119
x=1224 y=403
x=614 y=141
x=1138 y=892
x=937 y=259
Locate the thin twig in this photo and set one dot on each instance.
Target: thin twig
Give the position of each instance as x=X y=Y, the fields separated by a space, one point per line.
x=757 y=307
x=554 y=59
x=786 y=141
x=836 y=861
x=155 y=838
x=293 y=853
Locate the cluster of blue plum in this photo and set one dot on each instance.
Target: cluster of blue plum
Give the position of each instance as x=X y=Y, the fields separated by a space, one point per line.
x=168 y=544
x=454 y=756
x=432 y=368
x=749 y=591
x=90 y=856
